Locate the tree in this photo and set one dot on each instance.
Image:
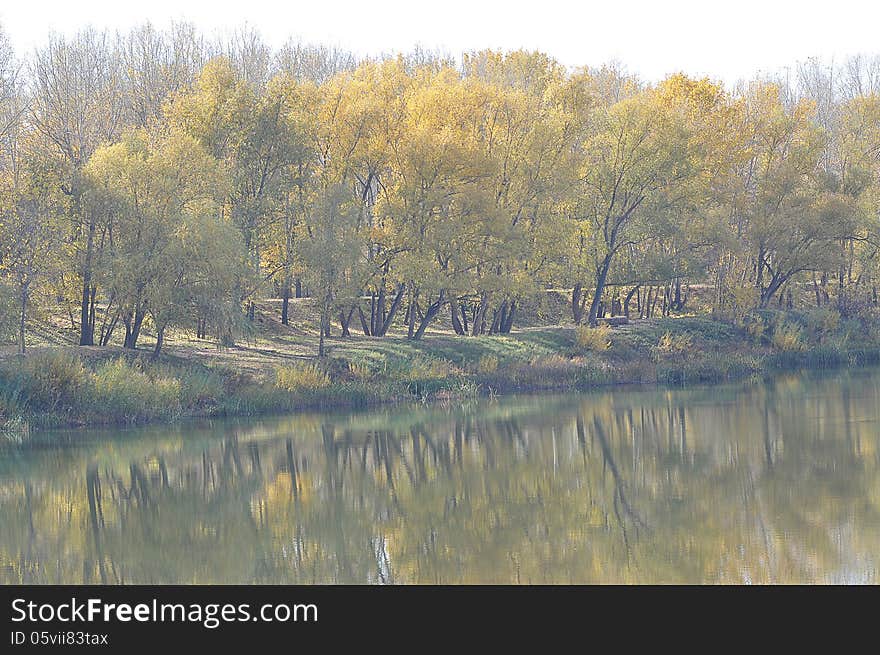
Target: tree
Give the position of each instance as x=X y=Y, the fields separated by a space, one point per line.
x=636 y=159
x=155 y=189
x=30 y=204
x=76 y=107
x=332 y=255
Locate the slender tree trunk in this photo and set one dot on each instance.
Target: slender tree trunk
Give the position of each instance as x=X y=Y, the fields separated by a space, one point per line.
x=507 y=322
x=22 y=317
x=345 y=321
x=364 y=326
x=480 y=316
x=411 y=311
x=107 y=334
x=392 y=311
x=456 y=321
x=577 y=303
x=323 y=327
x=601 y=277
x=430 y=313
x=160 y=339
x=285 y=302
x=87 y=331
x=627 y=299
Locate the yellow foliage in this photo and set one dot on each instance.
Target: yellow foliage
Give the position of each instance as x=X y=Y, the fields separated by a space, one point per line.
x=673 y=344
x=359 y=371
x=487 y=364
x=788 y=337
x=429 y=368
x=594 y=339
x=301 y=377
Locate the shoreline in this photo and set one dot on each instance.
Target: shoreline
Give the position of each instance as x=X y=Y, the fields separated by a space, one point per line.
x=64 y=390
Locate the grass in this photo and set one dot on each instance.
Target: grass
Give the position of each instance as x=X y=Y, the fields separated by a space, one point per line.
x=275 y=370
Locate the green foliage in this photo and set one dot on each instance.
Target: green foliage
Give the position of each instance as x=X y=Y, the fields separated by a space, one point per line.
x=130 y=395
x=593 y=339
x=53 y=379
x=487 y=364
x=672 y=345
x=788 y=337
x=301 y=377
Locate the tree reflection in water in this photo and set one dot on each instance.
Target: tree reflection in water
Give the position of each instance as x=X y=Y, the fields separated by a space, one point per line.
x=768 y=482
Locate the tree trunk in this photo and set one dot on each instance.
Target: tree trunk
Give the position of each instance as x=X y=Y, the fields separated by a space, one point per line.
x=364 y=326
x=107 y=334
x=160 y=339
x=395 y=305
x=345 y=321
x=627 y=300
x=577 y=303
x=87 y=328
x=601 y=276
x=323 y=328
x=507 y=322
x=480 y=316
x=133 y=329
x=285 y=302
x=22 y=317
x=411 y=312
x=456 y=321
x=430 y=313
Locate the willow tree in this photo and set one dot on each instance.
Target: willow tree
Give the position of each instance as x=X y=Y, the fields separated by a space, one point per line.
x=526 y=130
x=785 y=214
x=332 y=254
x=436 y=204
x=362 y=114
x=299 y=104
x=30 y=209
x=244 y=129
x=156 y=189
x=635 y=159
x=76 y=106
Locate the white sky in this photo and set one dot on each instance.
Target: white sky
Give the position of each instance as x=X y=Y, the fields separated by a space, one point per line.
x=726 y=41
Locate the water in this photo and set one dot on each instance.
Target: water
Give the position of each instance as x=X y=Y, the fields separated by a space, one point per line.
x=773 y=481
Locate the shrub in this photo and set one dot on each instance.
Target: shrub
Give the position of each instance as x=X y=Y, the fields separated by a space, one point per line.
x=823 y=322
x=301 y=377
x=593 y=339
x=788 y=337
x=200 y=388
x=672 y=345
x=487 y=364
x=359 y=371
x=52 y=379
x=755 y=326
x=429 y=368
x=125 y=393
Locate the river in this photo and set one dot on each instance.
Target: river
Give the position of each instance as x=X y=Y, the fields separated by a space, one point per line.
x=774 y=481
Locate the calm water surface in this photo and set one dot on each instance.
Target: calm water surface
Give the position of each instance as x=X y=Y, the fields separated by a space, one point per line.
x=773 y=481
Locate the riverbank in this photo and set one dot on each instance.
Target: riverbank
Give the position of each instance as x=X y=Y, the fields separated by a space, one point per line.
x=60 y=386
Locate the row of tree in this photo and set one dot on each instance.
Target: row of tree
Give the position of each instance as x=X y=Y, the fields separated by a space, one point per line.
x=156 y=177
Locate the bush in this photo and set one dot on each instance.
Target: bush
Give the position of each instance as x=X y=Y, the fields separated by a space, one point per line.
x=593 y=339
x=755 y=326
x=672 y=345
x=788 y=337
x=429 y=368
x=52 y=379
x=487 y=364
x=125 y=393
x=301 y=377
x=823 y=322
x=359 y=371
